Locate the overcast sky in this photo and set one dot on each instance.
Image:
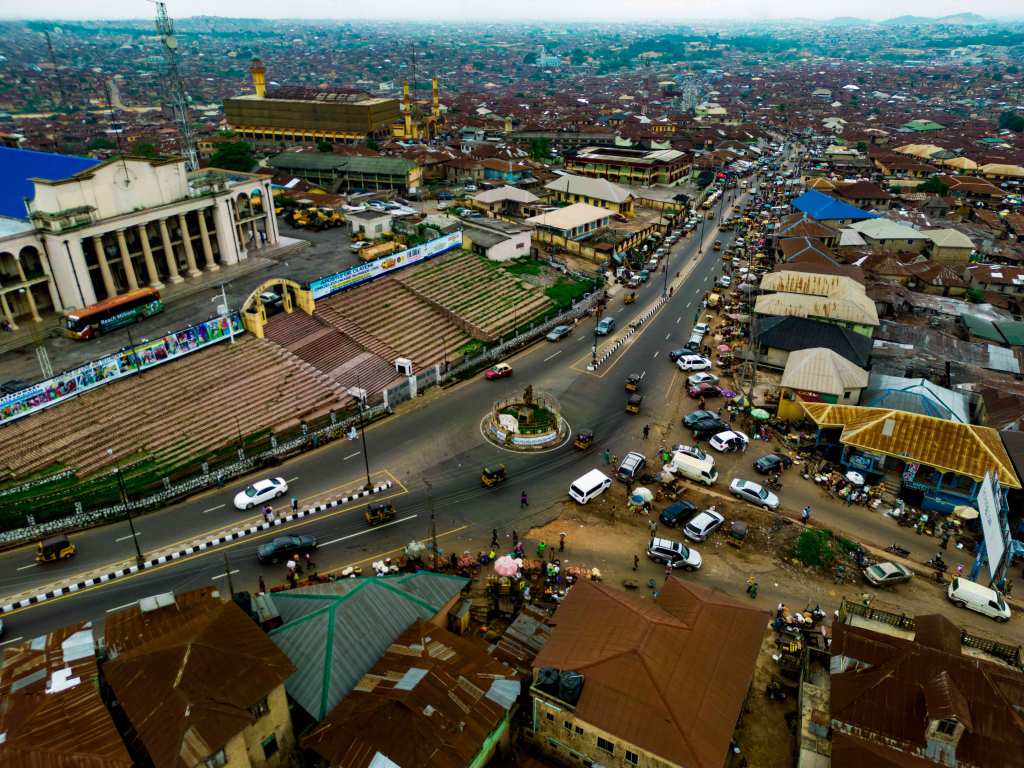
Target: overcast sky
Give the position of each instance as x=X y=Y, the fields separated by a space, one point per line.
x=521 y=9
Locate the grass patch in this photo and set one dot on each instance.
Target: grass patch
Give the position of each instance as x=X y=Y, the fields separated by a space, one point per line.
x=815 y=548
x=471 y=348
x=565 y=291
x=523 y=268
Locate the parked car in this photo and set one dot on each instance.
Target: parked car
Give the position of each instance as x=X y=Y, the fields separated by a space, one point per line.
x=887 y=573
x=689 y=450
x=676 y=514
x=358 y=245
x=694 y=416
x=693 y=363
x=753 y=493
x=705 y=389
x=675 y=354
x=702 y=378
x=559 y=332
x=772 y=462
x=674 y=553
x=724 y=281
x=445 y=196
x=500 y=371
x=703 y=525
x=260 y=492
x=605 y=326
x=631 y=466
x=283 y=547
x=701 y=328
x=729 y=440
x=707 y=428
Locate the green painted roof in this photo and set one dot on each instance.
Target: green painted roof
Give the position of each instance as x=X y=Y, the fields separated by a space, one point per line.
x=1012 y=331
x=325 y=161
x=335 y=632
x=923 y=125
x=981 y=327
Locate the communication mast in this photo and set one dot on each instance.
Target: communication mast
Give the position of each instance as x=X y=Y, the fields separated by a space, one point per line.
x=175 y=87
x=56 y=71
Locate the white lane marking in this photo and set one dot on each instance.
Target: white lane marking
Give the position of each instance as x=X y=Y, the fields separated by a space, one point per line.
x=656 y=353
x=351 y=456
x=621 y=310
x=552 y=357
x=642 y=374
x=687 y=306
x=12 y=640
x=125 y=538
x=581 y=338
x=126 y=605
x=291 y=479
x=680 y=318
x=214 y=509
x=26 y=567
x=222 y=575
x=368 y=530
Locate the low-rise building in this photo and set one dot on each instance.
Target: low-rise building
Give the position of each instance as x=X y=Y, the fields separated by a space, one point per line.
x=505 y=201
x=337 y=173
x=828 y=209
x=628 y=165
x=995 y=277
x=949 y=246
x=834 y=299
x=818 y=375
x=598 y=192
x=574 y=222
x=497 y=240
x=885 y=235
x=370 y=224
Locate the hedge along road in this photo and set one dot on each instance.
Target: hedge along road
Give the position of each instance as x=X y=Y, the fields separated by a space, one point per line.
x=434 y=438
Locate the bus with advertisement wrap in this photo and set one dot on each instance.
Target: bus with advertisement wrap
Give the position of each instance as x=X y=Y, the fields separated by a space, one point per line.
x=109 y=314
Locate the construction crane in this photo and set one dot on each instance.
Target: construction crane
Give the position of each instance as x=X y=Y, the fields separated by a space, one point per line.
x=175 y=87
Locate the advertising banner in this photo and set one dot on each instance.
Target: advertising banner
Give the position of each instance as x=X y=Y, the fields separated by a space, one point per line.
x=112 y=367
x=991 y=525
x=339 y=281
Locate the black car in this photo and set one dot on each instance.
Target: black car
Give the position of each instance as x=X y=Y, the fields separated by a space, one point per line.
x=283 y=547
x=675 y=354
x=678 y=514
x=692 y=418
x=709 y=427
x=772 y=462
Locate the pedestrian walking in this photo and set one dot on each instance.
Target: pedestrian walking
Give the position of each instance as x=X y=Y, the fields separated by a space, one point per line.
x=702 y=402
x=607 y=457
x=263 y=586
x=647 y=430
x=494 y=537
x=561 y=542
x=615 y=459
x=636 y=562
x=515 y=538
x=944 y=542
x=805 y=514
x=523 y=502
x=959 y=569
x=295 y=503
x=780 y=609
x=310 y=565
x=668 y=570
x=268 y=513
x=541 y=546
x=291 y=565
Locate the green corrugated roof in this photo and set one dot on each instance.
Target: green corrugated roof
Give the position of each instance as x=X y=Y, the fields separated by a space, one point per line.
x=1013 y=332
x=324 y=161
x=981 y=327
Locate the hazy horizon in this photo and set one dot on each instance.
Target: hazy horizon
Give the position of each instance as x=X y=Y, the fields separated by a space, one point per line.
x=523 y=11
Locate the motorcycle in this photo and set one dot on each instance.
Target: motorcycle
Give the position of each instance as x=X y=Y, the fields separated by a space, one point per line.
x=938 y=564
x=773 y=484
x=896 y=549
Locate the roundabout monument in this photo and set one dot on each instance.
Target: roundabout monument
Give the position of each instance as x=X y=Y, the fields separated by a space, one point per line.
x=532 y=422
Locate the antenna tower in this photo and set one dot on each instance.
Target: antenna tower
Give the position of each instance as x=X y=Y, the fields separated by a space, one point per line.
x=175 y=92
x=56 y=72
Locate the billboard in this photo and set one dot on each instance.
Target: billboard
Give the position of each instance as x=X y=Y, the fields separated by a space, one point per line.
x=127 y=362
x=991 y=525
x=339 y=281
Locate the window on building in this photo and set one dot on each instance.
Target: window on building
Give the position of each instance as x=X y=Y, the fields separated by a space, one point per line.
x=269 y=745
x=579 y=731
x=259 y=709
x=549 y=716
x=606 y=745
x=567 y=725
x=632 y=758
x=948 y=727
x=216 y=760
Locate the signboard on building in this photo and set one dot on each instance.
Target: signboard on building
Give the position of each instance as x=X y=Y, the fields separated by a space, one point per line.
x=991 y=524
x=339 y=281
x=95 y=374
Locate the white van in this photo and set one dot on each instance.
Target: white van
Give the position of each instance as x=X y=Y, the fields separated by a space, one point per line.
x=592 y=484
x=692 y=468
x=967 y=594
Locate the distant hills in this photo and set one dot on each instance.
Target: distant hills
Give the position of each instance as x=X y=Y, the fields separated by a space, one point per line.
x=961 y=19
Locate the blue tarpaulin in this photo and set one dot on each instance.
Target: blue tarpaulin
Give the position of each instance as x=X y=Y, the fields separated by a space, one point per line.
x=17 y=166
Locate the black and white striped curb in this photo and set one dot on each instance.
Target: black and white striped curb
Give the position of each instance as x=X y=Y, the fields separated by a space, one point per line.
x=241 y=533
x=633 y=328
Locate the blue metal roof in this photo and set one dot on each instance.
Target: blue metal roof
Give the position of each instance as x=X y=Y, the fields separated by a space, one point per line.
x=17 y=166
x=824 y=207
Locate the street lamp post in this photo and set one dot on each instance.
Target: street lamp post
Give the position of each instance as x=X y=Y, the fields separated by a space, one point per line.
x=139 y=559
x=362 y=432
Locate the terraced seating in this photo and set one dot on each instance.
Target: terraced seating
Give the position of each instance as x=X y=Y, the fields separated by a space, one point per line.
x=465 y=284
x=176 y=411
x=394 y=319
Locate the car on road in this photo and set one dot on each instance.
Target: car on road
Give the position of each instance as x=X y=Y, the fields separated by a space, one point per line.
x=887 y=573
x=559 y=332
x=674 y=553
x=358 y=245
x=675 y=354
x=705 y=389
x=730 y=440
x=500 y=371
x=724 y=281
x=703 y=525
x=260 y=492
x=772 y=462
x=605 y=326
x=702 y=378
x=284 y=547
x=444 y=196
x=693 y=363
x=707 y=428
x=753 y=493
x=678 y=513
x=694 y=416
x=689 y=450
x=701 y=328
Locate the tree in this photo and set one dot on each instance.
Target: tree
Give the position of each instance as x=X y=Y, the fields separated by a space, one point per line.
x=233 y=156
x=143 y=149
x=974 y=295
x=578 y=56
x=540 y=148
x=934 y=185
x=862 y=146
x=324 y=146
x=530 y=58
x=101 y=143
x=1012 y=121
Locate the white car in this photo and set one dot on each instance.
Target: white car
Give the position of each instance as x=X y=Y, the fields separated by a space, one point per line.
x=693 y=363
x=261 y=492
x=358 y=245
x=702 y=378
x=754 y=493
x=724 y=441
x=674 y=553
x=703 y=525
x=724 y=281
x=701 y=328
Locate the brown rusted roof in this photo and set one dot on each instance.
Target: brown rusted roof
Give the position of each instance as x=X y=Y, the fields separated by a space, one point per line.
x=189 y=676
x=668 y=676
x=906 y=684
x=435 y=689
x=66 y=729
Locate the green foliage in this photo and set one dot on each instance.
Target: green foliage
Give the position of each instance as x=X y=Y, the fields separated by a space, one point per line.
x=540 y=148
x=1012 y=121
x=530 y=58
x=933 y=184
x=862 y=146
x=523 y=268
x=974 y=295
x=371 y=143
x=565 y=291
x=233 y=156
x=815 y=548
x=324 y=146
x=101 y=143
x=143 y=149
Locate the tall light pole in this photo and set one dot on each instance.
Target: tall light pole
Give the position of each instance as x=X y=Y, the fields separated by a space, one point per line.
x=359 y=394
x=224 y=311
x=139 y=559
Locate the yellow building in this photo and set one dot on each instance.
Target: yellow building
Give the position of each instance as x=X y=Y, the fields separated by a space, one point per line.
x=415 y=126
x=598 y=192
x=626 y=165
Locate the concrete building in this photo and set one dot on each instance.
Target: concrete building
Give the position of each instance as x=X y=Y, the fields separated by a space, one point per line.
x=573 y=222
x=497 y=240
x=370 y=224
x=74 y=230
x=890 y=236
x=337 y=173
x=598 y=192
x=949 y=246
x=818 y=375
x=639 y=167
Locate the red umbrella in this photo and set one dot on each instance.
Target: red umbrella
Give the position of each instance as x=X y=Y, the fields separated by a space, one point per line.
x=724 y=348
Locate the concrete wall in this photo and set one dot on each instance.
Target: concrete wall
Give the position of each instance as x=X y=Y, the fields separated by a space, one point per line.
x=277 y=722
x=116 y=188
